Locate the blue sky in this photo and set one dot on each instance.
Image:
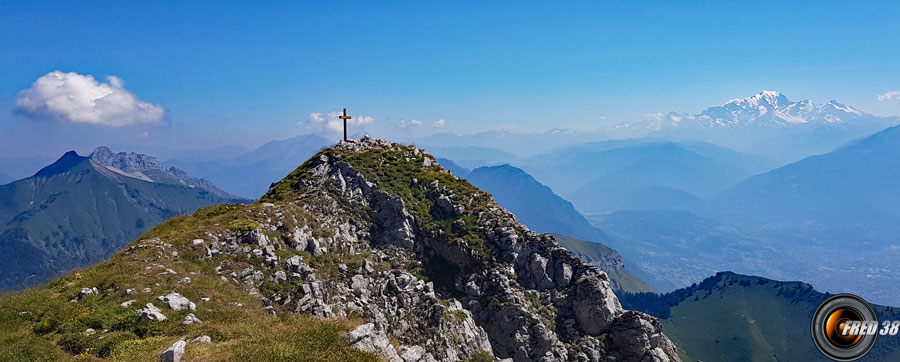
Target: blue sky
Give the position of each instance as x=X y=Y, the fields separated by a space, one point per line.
x=244 y=73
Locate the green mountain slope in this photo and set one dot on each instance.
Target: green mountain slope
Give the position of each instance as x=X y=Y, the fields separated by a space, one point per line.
x=76 y=212
x=732 y=317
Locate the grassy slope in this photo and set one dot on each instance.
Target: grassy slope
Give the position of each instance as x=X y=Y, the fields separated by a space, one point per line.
x=42 y=323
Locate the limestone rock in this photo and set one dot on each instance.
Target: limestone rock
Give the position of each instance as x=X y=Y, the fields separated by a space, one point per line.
x=190 y=319
x=204 y=339
x=87 y=291
x=151 y=312
x=369 y=339
x=174 y=352
x=177 y=302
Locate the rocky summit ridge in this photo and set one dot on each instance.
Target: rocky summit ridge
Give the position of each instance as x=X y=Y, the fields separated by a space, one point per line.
x=148 y=168
x=508 y=291
x=422 y=265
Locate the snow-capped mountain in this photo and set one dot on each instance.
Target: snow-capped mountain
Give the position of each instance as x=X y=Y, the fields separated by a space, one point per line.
x=767 y=124
x=765 y=109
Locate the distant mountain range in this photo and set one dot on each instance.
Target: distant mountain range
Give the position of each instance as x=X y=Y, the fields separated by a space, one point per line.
x=768 y=109
x=733 y=317
x=474 y=157
x=79 y=210
x=602 y=177
x=848 y=194
x=149 y=169
x=768 y=123
x=451 y=166
x=250 y=174
x=786 y=224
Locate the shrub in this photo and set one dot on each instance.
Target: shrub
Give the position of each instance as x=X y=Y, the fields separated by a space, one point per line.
x=243 y=225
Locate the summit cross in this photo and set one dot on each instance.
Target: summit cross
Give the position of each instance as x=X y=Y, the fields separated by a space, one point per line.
x=345 y=117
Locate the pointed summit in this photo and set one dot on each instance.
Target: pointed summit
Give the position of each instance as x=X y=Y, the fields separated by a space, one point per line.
x=68 y=161
x=767 y=98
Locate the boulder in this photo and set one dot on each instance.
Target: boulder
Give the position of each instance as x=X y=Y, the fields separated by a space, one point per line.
x=174 y=352
x=177 y=302
x=367 y=338
x=87 y=291
x=151 y=312
x=190 y=319
x=202 y=340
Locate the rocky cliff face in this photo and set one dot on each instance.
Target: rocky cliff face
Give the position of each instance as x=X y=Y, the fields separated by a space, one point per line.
x=148 y=168
x=436 y=265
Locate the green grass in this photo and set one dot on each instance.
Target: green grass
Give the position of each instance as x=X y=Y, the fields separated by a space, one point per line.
x=243 y=225
x=41 y=324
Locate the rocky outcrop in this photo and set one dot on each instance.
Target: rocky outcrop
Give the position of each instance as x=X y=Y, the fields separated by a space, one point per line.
x=148 y=168
x=438 y=270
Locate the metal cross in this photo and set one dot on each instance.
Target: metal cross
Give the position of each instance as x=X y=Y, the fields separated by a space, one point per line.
x=345 y=117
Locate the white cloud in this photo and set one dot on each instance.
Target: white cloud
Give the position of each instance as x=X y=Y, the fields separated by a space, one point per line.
x=889 y=96
x=78 y=98
x=328 y=124
x=364 y=120
x=403 y=124
x=440 y=123
x=656 y=117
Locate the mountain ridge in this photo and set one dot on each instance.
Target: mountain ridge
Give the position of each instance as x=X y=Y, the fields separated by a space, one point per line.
x=148 y=168
x=769 y=109
x=76 y=212
x=404 y=260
